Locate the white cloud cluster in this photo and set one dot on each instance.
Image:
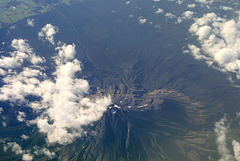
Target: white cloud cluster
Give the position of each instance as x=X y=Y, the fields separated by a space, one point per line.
x=27 y=157
x=142 y=20
x=60 y=100
x=205 y=1
x=66 y=52
x=30 y=22
x=23 y=52
x=17 y=149
x=4 y=124
x=226 y=8
x=225 y=150
x=186 y=15
x=221 y=131
x=236 y=149
x=1 y=110
x=14 y=147
x=170 y=15
x=179 y=1
x=44 y=151
x=219 y=39
x=131 y=16
x=159 y=10
x=25 y=137
x=47 y=33
x=127 y=2
x=2 y=72
x=191 y=5
x=21 y=116
x=26 y=154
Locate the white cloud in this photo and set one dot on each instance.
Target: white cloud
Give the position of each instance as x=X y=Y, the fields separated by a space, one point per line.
x=203 y=32
x=1 y=110
x=21 y=45
x=25 y=137
x=47 y=33
x=205 y=1
x=30 y=22
x=142 y=20
x=14 y=147
x=17 y=149
x=22 y=52
x=236 y=149
x=219 y=39
x=127 y=2
x=156 y=0
x=186 y=15
x=27 y=157
x=226 y=8
x=12 y=27
x=221 y=130
x=66 y=52
x=21 y=116
x=196 y=52
x=4 y=124
x=191 y=5
x=179 y=1
x=159 y=10
x=2 y=71
x=44 y=151
x=170 y=15
x=7 y=62
x=63 y=106
x=36 y=59
x=131 y=16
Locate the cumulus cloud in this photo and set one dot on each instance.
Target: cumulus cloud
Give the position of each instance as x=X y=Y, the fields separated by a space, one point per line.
x=142 y=20
x=30 y=22
x=17 y=149
x=7 y=62
x=236 y=149
x=61 y=100
x=127 y=2
x=27 y=157
x=159 y=10
x=205 y=1
x=179 y=1
x=130 y=16
x=47 y=33
x=219 y=39
x=21 y=116
x=12 y=27
x=21 y=45
x=1 y=110
x=14 y=147
x=2 y=72
x=66 y=52
x=226 y=8
x=170 y=15
x=186 y=15
x=22 y=52
x=25 y=137
x=4 y=124
x=227 y=151
x=44 y=151
x=221 y=130
x=191 y=5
